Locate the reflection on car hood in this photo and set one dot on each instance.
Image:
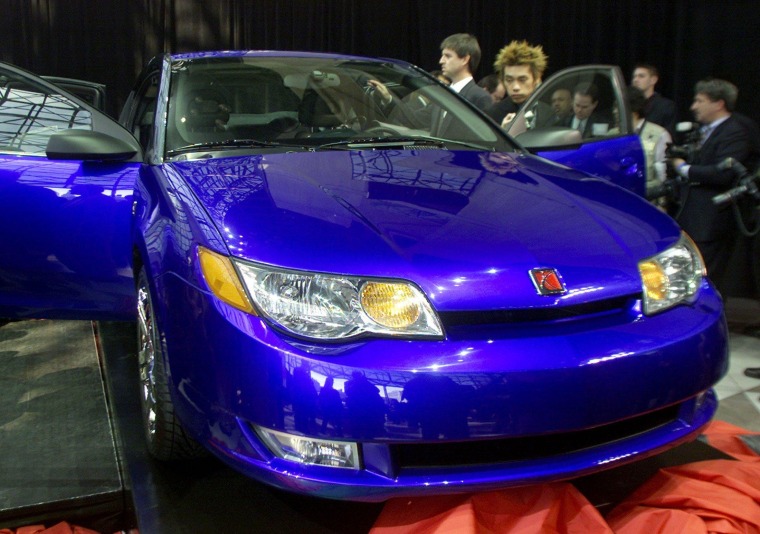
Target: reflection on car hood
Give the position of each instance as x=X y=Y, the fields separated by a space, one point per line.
x=466 y=226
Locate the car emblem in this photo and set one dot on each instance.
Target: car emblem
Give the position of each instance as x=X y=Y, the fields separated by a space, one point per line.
x=547 y=281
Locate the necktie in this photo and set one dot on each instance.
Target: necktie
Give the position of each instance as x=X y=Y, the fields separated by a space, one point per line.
x=704 y=133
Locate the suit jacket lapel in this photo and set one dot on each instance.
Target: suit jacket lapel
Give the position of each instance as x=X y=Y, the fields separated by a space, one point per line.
x=715 y=132
x=707 y=150
x=466 y=89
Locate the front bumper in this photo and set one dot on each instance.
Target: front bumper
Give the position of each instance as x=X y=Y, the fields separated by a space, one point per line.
x=512 y=404
x=382 y=476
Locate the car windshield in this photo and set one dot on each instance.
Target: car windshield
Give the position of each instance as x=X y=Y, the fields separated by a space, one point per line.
x=317 y=103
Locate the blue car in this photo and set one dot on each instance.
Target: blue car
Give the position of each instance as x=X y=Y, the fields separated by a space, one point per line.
x=349 y=283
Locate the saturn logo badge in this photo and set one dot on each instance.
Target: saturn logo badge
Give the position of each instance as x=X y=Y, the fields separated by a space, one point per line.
x=547 y=281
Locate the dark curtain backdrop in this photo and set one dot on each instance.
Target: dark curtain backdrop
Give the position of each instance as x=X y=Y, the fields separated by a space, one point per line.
x=109 y=40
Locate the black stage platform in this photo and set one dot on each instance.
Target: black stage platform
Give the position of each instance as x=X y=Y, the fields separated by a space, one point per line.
x=58 y=454
x=69 y=416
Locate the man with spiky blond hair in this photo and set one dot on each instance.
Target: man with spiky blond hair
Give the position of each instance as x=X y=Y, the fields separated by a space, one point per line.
x=520 y=66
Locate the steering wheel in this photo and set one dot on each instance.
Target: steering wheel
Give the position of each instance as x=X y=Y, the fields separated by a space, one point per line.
x=377 y=129
x=283 y=124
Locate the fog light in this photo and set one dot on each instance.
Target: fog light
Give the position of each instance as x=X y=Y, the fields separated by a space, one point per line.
x=307 y=450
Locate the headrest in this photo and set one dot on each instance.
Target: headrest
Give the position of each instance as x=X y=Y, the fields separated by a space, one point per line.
x=206 y=108
x=315 y=112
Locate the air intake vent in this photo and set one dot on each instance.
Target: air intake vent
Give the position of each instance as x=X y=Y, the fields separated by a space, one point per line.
x=427 y=455
x=529 y=315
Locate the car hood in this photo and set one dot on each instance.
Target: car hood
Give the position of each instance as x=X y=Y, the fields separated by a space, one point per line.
x=465 y=226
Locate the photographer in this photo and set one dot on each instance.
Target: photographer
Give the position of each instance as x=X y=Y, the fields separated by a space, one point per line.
x=713 y=227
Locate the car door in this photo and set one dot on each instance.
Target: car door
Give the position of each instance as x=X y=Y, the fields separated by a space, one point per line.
x=608 y=146
x=91 y=92
x=67 y=175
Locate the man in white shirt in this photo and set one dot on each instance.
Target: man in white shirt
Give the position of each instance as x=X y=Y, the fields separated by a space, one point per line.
x=460 y=57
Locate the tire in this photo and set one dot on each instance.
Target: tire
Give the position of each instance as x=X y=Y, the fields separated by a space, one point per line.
x=166 y=439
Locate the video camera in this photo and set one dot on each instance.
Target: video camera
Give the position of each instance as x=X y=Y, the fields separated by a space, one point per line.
x=688 y=135
x=669 y=188
x=746 y=213
x=747 y=183
x=687 y=148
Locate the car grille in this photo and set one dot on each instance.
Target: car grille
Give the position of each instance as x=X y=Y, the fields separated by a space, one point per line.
x=555 y=313
x=496 y=451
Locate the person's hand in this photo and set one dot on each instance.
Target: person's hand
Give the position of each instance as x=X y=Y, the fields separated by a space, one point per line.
x=385 y=95
x=677 y=164
x=507 y=119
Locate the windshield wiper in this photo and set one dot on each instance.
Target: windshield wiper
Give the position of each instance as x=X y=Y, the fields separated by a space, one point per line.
x=222 y=145
x=406 y=141
x=375 y=141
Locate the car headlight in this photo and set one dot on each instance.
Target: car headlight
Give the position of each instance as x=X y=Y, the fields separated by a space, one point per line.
x=335 y=307
x=672 y=276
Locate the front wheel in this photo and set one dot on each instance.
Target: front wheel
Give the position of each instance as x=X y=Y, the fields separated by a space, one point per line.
x=165 y=437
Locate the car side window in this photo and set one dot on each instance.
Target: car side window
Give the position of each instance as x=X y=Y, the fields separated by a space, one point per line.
x=31 y=112
x=145 y=111
x=577 y=100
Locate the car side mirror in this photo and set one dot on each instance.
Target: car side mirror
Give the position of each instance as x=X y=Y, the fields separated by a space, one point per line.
x=88 y=145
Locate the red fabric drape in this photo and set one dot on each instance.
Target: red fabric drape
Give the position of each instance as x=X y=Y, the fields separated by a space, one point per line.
x=546 y=508
x=710 y=496
x=721 y=496
x=61 y=528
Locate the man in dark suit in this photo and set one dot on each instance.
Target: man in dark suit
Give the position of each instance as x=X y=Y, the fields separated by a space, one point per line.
x=658 y=109
x=724 y=134
x=712 y=227
x=586 y=118
x=460 y=57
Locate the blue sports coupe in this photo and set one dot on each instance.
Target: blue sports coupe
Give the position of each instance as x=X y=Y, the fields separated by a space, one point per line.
x=350 y=283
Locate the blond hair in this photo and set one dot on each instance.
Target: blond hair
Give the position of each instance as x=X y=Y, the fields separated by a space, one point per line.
x=521 y=53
